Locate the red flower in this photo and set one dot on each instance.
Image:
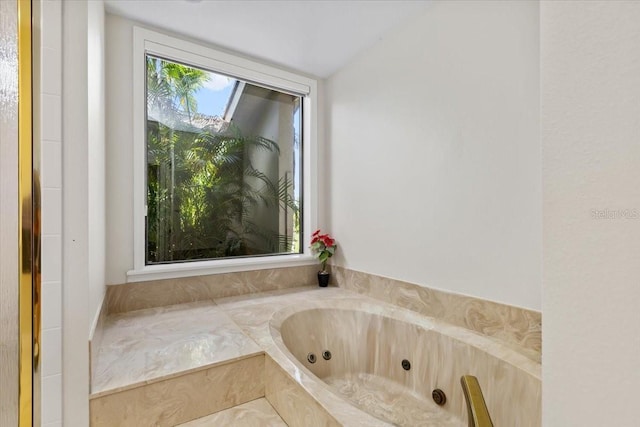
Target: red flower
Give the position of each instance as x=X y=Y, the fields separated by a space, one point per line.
x=323 y=247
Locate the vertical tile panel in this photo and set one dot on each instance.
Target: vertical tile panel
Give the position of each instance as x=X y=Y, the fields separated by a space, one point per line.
x=51 y=399
x=51 y=124
x=51 y=166
x=52 y=28
x=52 y=207
x=52 y=75
x=51 y=260
x=52 y=342
x=52 y=305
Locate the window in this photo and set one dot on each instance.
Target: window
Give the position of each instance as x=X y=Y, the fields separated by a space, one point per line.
x=223 y=166
x=223 y=161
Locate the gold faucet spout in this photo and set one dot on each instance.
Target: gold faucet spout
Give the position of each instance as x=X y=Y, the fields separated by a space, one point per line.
x=476 y=406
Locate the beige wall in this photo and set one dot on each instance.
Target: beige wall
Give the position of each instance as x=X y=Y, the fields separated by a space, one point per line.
x=590 y=121
x=434 y=156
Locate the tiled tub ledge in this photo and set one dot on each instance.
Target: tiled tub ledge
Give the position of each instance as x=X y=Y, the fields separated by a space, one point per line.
x=172 y=365
x=156 y=366
x=518 y=328
x=515 y=327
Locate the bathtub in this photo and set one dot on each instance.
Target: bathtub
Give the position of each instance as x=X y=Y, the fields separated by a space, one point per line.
x=387 y=363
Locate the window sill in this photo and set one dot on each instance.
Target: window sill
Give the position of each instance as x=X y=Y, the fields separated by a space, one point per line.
x=203 y=268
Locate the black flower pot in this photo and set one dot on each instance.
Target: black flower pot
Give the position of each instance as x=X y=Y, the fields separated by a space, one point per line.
x=323 y=278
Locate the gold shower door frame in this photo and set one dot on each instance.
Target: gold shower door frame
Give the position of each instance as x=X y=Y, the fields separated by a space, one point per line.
x=29 y=225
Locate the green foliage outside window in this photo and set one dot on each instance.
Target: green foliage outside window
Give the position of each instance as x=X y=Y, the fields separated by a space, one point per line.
x=205 y=197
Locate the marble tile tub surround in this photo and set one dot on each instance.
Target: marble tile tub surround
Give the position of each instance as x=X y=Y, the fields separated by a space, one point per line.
x=257 y=413
x=261 y=317
x=182 y=398
x=160 y=293
x=285 y=382
x=149 y=361
x=152 y=344
x=168 y=365
x=368 y=372
x=291 y=401
x=518 y=328
x=95 y=341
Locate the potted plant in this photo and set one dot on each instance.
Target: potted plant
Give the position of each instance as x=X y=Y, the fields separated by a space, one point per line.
x=323 y=246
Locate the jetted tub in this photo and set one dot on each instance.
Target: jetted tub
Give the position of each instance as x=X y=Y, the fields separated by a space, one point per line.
x=369 y=344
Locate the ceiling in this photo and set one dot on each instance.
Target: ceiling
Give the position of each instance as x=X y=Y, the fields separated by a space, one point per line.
x=314 y=37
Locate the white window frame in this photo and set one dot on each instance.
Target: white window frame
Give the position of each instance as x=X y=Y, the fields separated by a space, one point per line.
x=172 y=48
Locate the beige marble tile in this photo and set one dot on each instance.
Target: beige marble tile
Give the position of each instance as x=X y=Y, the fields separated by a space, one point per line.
x=389 y=400
x=184 y=398
x=146 y=345
x=368 y=371
x=519 y=328
x=254 y=315
x=159 y=293
x=288 y=326
x=253 y=312
x=294 y=405
x=247 y=282
x=95 y=341
x=155 y=293
x=265 y=296
x=257 y=413
x=367 y=336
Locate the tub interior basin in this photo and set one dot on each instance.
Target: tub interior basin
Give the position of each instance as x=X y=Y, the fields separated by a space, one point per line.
x=390 y=366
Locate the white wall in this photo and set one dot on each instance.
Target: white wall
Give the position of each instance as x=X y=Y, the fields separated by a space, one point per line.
x=119 y=66
x=434 y=158
x=119 y=142
x=48 y=126
x=96 y=156
x=590 y=121
x=83 y=197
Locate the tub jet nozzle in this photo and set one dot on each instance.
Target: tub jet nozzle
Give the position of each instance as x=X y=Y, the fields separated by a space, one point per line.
x=439 y=397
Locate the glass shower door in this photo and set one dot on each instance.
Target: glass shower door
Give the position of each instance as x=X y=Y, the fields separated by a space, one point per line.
x=9 y=235
x=19 y=331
